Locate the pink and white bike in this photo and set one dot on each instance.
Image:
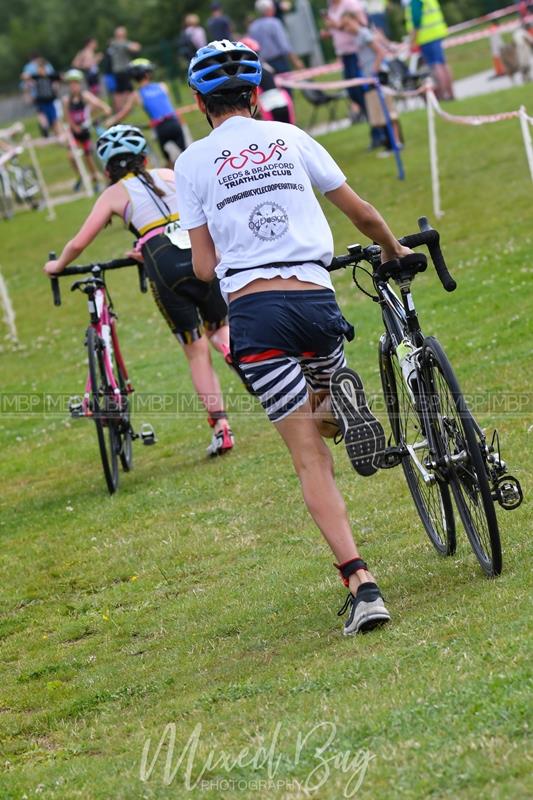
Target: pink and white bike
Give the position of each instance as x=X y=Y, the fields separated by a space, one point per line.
x=108 y=387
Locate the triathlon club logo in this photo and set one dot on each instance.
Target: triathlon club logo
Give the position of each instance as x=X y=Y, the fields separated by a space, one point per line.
x=251 y=155
x=268 y=222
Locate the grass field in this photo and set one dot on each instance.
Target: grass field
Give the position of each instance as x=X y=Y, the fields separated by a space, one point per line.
x=201 y=595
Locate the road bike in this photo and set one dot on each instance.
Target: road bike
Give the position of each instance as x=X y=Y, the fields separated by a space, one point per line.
x=443 y=451
x=18 y=183
x=108 y=387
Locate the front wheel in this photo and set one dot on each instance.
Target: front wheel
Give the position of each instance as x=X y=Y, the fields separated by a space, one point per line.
x=102 y=411
x=431 y=495
x=464 y=457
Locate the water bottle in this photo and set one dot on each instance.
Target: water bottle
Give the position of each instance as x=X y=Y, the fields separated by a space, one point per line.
x=405 y=353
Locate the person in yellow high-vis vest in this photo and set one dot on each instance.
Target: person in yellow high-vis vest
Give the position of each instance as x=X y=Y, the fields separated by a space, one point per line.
x=427 y=27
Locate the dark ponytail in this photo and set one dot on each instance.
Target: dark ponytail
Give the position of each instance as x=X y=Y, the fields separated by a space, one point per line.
x=120 y=166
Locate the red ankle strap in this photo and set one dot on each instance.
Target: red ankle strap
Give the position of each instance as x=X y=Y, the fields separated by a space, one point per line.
x=215 y=416
x=347 y=568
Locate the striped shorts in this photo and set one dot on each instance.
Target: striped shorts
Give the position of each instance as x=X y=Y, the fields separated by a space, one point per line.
x=287 y=344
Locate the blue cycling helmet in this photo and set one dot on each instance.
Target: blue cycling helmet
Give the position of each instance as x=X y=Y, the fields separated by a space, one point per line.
x=224 y=65
x=120 y=140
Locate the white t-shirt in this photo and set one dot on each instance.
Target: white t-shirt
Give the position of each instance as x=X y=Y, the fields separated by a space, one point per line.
x=252 y=183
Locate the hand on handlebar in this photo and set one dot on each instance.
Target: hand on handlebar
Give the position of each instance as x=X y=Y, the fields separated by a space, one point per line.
x=398 y=252
x=135 y=254
x=51 y=267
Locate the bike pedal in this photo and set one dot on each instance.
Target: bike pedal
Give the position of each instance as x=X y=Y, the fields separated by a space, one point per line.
x=508 y=492
x=75 y=407
x=392 y=457
x=147 y=434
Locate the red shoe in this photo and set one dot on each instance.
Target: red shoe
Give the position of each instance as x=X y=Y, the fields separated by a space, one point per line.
x=221 y=443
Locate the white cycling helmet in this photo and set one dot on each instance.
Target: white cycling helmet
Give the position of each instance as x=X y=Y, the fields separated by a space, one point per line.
x=120 y=140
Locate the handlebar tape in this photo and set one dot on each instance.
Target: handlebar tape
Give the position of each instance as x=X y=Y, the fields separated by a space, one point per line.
x=430 y=237
x=54 y=282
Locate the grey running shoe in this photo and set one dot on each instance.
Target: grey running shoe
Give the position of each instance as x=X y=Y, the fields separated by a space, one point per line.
x=363 y=434
x=367 y=610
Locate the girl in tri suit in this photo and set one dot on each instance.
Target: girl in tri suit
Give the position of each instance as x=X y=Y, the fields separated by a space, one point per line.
x=77 y=105
x=156 y=102
x=195 y=311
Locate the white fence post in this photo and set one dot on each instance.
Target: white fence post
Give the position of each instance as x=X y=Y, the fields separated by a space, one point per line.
x=433 y=156
x=9 y=313
x=526 y=133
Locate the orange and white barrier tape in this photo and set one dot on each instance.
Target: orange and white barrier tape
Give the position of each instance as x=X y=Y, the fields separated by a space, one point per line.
x=434 y=107
x=471 y=23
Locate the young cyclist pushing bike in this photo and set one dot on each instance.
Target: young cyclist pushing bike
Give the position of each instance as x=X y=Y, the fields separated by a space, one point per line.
x=195 y=311
x=245 y=194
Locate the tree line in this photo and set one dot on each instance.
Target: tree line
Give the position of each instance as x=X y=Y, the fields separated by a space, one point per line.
x=58 y=28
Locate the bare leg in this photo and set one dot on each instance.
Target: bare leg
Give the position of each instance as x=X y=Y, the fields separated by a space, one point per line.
x=314 y=466
x=443 y=80
x=219 y=339
x=204 y=378
x=91 y=166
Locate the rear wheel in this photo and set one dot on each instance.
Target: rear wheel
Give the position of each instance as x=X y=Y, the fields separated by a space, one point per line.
x=104 y=415
x=464 y=457
x=431 y=496
x=126 y=431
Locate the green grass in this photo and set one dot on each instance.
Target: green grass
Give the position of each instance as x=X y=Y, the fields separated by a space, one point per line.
x=202 y=594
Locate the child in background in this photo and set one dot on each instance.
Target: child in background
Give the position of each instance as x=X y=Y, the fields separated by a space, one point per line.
x=371 y=54
x=155 y=99
x=77 y=105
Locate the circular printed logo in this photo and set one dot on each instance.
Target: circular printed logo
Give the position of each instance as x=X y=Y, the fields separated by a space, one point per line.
x=269 y=221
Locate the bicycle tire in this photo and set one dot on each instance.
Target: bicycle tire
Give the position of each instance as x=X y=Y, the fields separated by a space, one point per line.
x=432 y=502
x=100 y=397
x=125 y=433
x=468 y=475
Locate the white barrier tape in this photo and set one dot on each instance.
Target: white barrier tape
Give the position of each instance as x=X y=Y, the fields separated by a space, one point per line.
x=476 y=120
x=471 y=23
x=295 y=84
x=486 y=33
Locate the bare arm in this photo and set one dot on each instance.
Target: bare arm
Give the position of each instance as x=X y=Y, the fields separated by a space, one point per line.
x=94 y=102
x=380 y=55
x=132 y=100
x=204 y=257
x=102 y=211
x=368 y=220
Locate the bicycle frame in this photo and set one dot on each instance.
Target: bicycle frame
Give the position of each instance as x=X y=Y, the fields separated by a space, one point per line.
x=103 y=322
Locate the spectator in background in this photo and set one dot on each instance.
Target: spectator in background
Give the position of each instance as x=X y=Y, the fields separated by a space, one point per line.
x=273 y=102
x=371 y=54
x=121 y=51
x=107 y=72
x=40 y=82
x=219 y=26
x=272 y=38
x=194 y=31
x=376 y=11
x=345 y=46
x=427 y=28
x=87 y=59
